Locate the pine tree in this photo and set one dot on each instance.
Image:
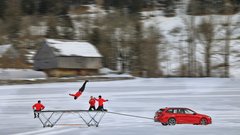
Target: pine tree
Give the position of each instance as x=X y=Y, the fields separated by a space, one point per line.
x=205 y=7
x=13 y=19
x=28 y=7
x=2 y=8
x=135 y=6
x=95 y=37
x=45 y=7
x=52 y=31
x=67 y=27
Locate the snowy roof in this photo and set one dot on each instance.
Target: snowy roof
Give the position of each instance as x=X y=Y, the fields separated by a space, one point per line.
x=73 y=48
x=4 y=48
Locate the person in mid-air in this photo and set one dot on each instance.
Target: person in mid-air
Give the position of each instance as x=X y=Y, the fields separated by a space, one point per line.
x=100 y=103
x=37 y=107
x=80 y=91
x=92 y=104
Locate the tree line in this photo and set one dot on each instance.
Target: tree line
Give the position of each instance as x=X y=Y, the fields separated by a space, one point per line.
x=126 y=44
x=120 y=36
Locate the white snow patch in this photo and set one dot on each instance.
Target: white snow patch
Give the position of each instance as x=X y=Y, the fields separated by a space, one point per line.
x=21 y=74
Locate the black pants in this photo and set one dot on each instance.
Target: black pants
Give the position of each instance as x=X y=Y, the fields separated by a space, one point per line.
x=92 y=108
x=100 y=108
x=36 y=114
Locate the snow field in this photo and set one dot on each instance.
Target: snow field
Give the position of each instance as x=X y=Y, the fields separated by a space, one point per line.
x=218 y=98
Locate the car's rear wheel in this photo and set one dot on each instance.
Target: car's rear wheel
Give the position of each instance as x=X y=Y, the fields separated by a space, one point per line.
x=203 y=121
x=171 y=121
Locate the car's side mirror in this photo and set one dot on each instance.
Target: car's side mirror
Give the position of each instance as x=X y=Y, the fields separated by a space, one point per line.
x=194 y=113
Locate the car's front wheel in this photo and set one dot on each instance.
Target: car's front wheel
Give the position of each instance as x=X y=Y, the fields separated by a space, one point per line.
x=203 y=121
x=171 y=121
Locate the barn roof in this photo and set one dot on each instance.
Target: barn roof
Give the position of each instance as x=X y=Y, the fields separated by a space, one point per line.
x=4 y=48
x=73 y=48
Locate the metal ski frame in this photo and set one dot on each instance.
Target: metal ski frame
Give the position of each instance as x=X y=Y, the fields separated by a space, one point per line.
x=94 y=117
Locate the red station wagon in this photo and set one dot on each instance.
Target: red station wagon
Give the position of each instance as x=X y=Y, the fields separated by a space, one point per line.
x=174 y=115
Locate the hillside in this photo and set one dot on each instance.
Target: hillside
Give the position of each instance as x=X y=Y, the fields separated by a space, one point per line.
x=161 y=38
x=176 y=32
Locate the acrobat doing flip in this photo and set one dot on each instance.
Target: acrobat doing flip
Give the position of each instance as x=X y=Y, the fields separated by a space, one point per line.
x=80 y=91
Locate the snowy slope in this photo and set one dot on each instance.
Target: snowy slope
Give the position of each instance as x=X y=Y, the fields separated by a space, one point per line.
x=218 y=98
x=172 y=39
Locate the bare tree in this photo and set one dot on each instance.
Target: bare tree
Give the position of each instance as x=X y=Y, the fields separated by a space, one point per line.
x=228 y=33
x=228 y=27
x=151 y=52
x=206 y=37
x=191 y=36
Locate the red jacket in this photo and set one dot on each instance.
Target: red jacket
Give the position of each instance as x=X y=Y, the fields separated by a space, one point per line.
x=77 y=94
x=100 y=101
x=38 y=107
x=92 y=102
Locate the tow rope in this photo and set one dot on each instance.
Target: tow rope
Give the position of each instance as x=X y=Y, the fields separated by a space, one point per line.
x=129 y=115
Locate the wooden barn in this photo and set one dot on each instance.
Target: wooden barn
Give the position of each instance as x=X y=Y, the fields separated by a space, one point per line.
x=61 y=58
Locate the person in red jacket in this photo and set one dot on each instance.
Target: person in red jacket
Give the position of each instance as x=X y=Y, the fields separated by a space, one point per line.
x=100 y=103
x=80 y=91
x=92 y=104
x=37 y=107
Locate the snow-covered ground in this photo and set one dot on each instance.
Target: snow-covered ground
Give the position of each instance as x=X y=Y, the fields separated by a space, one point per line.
x=21 y=74
x=218 y=98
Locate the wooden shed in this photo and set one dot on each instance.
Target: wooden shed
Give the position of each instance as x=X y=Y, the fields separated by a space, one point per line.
x=59 y=58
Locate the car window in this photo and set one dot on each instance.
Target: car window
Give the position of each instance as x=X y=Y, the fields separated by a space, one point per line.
x=170 y=110
x=175 y=110
x=181 y=111
x=187 y=111
x=160 y=110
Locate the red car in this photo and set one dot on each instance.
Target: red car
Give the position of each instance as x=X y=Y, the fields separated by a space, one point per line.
x=175 y=115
